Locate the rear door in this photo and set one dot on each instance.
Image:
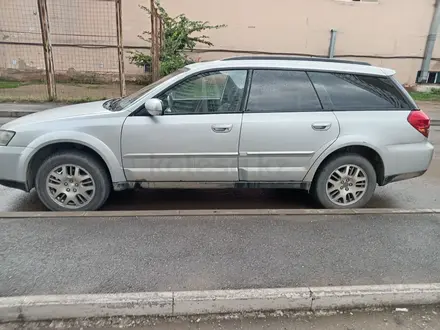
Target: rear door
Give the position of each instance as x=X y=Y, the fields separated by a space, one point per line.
x=284 y=127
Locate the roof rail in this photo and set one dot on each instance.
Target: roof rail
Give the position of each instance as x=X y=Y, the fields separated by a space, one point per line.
x=295 y=58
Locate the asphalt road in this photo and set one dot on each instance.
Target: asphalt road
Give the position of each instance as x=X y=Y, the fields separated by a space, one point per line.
x=110 y=255
x=423 y=192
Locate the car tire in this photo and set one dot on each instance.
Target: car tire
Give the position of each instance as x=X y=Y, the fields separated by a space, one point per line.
x=335 y=191
x=75 y=171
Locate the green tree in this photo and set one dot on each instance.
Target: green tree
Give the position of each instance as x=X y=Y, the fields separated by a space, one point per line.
x=181 y=35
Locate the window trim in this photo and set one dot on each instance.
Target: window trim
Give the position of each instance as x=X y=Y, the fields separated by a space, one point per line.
x=282 y=69
x=247 y=90
x=329 y=106
x=326 y=105
x=139 y=111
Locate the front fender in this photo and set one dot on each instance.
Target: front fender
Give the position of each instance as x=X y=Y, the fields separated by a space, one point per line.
x=110 y=159
x=342 y=142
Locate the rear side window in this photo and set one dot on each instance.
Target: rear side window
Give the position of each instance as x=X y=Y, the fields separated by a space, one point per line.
x=358 y=92
x=282 y=91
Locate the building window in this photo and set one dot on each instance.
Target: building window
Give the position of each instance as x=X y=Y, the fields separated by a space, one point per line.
x=433 y=77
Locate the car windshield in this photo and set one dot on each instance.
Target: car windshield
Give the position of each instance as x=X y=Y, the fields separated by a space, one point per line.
x=121 y=103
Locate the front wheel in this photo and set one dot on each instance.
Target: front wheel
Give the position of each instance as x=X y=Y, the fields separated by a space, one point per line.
x=72 y=181
x=345 y=182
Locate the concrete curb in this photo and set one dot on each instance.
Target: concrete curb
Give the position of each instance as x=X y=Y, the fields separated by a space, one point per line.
x=239 y=212
x=40 y=308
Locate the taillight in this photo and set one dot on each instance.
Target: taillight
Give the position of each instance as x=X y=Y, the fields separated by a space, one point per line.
x=420 y=121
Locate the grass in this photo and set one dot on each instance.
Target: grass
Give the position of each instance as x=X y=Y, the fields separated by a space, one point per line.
x=71 y=93
x=9 y=84
x=66 y=100
x=432 y=95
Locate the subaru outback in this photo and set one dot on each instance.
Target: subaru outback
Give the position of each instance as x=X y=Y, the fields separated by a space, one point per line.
x=335 y=128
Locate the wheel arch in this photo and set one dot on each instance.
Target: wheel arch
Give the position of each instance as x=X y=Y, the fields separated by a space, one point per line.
x=362 y=149
x=40 y=148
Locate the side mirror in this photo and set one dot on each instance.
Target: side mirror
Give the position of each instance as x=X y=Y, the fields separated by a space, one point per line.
x=154 y=107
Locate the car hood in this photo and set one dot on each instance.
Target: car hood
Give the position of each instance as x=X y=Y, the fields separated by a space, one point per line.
x=65 y=112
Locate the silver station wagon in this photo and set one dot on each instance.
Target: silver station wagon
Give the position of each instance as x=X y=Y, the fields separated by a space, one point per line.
x=335 y=128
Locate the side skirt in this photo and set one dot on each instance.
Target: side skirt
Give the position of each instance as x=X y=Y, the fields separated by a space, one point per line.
x=213 y=185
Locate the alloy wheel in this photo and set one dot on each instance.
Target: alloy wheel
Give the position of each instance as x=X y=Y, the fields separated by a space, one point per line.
x=70 y=186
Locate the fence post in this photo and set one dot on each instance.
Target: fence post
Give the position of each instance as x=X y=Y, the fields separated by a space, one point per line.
x=119 y=39
x=47 y=47
x=153 y=50
x=160 y=34
x=157 y=43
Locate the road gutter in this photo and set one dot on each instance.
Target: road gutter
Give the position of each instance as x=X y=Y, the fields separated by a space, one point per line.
x=51 y=307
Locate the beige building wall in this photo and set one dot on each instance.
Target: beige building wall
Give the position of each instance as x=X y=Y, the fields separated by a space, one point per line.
x=390 y=33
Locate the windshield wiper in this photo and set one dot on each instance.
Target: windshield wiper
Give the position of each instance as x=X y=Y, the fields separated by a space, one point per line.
x=107 y=103
x=111 y=104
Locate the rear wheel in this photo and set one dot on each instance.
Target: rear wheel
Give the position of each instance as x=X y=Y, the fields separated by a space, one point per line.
x=345 y=182
x=72 y=181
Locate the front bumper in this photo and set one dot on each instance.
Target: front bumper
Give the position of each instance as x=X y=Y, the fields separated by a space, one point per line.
x=14 y=184
x=11 y=174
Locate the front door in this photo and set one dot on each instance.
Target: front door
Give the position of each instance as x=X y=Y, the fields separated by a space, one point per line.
x=196 y=138
x=284 y=128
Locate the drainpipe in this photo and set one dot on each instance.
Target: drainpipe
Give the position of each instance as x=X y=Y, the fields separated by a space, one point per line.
x=430 y=43
x=331 y=49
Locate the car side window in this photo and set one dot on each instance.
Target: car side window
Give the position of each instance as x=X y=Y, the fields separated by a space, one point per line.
x=282 y=91
x=210 y=92
x=358 y=92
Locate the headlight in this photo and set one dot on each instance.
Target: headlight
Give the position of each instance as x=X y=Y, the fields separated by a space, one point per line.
x=6 y=137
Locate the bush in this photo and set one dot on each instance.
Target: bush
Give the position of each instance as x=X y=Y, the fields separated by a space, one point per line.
x=178 y=40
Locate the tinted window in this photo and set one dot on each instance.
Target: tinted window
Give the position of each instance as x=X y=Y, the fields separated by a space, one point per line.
x=278 y=91
x=212 y=92
x=357 y=92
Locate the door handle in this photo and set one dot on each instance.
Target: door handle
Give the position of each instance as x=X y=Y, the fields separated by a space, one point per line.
x=221 y=128
x=321 y=126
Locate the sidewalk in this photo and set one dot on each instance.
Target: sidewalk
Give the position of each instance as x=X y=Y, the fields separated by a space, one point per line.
x=432 y=109
x=427 y=318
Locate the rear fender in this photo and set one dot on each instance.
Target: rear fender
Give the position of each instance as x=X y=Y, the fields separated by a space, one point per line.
x=342 y=142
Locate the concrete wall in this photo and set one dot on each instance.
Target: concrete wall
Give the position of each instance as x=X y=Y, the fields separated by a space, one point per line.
x=383 y=28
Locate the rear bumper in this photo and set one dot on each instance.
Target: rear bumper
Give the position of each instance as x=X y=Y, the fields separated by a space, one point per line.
x=401 y=177
x=407 y=161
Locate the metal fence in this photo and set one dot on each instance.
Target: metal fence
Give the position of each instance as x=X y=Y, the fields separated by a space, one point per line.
x=68 y=50
x=83 y=35
x=61 y=50
x=21 y=55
